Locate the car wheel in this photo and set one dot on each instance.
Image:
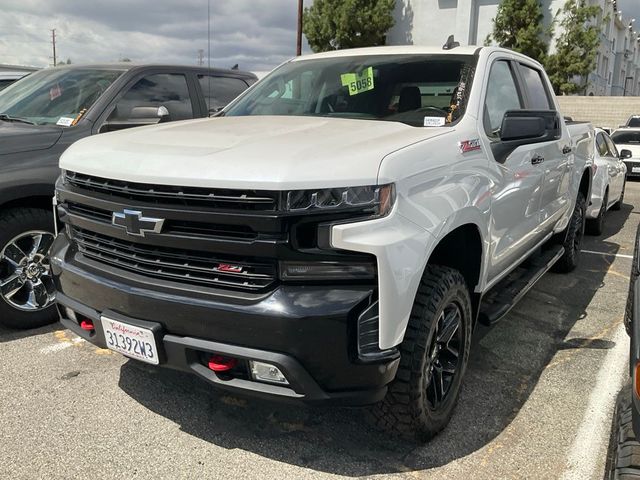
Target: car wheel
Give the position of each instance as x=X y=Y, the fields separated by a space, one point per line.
x=27 y=292
x=433 y=358
x=625 y=458
x=596 y=226
x=618 y=204
x=573 y=238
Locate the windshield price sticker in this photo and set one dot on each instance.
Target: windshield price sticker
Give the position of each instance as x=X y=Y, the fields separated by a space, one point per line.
x=358 y=82
x=434 y=121
x=65 y=121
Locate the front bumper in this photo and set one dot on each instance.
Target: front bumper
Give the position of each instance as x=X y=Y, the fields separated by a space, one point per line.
x=309 y=332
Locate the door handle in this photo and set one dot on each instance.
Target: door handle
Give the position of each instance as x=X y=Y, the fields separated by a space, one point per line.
x=566 y=150
x=537 y=159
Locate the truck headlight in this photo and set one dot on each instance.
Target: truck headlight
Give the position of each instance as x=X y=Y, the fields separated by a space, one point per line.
x=379 y=198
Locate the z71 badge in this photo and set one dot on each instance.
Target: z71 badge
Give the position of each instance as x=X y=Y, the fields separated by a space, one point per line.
x=467 y=146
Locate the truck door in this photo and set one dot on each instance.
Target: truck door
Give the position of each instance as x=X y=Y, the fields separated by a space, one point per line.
x=516 y=195
x=554 y=157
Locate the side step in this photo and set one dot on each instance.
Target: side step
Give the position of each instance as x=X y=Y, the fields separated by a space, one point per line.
x=503 y=297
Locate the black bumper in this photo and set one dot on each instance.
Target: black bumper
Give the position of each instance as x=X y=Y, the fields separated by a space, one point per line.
x=307 y=331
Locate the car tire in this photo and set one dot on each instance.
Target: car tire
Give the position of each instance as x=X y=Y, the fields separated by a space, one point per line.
x=625 y=454
x=433 y=358
x=618 y=204
x=596 y=226
x=573 y=236
x=26 y=288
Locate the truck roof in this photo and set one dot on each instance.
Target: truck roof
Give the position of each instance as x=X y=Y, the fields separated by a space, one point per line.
x=125 y=66
x=400 y=50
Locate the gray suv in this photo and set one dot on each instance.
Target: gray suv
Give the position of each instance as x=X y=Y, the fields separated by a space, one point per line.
x=44 y=113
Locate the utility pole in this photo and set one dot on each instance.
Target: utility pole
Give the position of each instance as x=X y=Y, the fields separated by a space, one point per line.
x=200 y=57
x=53 y=42
x=299 y=46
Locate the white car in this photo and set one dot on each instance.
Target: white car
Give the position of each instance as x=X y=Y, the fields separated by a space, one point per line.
x=607 y=189
x=627 y=140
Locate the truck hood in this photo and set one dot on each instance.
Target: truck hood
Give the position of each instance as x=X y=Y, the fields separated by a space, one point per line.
x=259 y=152
x=20 y=137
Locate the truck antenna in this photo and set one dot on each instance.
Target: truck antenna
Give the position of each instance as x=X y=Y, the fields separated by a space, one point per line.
x=451 y=43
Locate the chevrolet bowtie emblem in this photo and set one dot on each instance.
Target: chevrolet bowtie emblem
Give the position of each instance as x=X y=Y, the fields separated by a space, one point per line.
x=135 y=224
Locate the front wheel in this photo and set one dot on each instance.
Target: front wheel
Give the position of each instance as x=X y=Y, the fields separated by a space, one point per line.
x=573 y=238
x=433 y=358
x=27 y=292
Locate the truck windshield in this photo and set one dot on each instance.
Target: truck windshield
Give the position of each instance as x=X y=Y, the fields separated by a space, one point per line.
x=55 y=96
x=419 y=90
x=626 y=137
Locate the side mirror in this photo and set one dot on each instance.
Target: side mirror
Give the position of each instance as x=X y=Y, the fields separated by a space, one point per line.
x=148 y=112
x=625 y=154
x=525 y=127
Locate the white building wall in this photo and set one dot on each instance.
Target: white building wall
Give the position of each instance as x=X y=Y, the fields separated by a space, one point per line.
x=430 y=22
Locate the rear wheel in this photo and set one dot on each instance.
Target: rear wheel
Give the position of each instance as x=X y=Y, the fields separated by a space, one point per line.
x=27 y=292
x=573 y=238
x=434 y=355
x=596 y=226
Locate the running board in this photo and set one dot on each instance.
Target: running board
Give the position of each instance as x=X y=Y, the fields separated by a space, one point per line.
x=510 y=290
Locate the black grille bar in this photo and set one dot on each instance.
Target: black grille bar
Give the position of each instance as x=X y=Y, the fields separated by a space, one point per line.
x=174 y=264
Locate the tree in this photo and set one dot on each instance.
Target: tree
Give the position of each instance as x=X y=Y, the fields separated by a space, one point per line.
x=518 y=26
x=335 y=24
x=68 y=61
x=576 y=47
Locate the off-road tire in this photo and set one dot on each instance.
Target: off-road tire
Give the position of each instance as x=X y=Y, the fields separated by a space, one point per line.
x=573 y=238
x=620 y=202
x=625 y=458
x=596 y=225
x=405 y=410
x=13 y=222
x=635 y=273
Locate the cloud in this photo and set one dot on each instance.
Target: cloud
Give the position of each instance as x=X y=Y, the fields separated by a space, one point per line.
x=257 y=34
x=630 y=9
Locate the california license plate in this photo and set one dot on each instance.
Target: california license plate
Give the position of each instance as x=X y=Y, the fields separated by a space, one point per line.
x=129 y=340
x=635 y=169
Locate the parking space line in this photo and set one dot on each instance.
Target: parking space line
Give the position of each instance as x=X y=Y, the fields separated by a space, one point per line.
x=592 y=438
x=605 y=254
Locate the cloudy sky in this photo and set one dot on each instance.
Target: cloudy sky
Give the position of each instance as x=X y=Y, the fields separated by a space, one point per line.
x=256 y=34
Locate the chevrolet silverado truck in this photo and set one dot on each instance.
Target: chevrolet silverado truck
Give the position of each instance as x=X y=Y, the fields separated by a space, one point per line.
x=44 y=113
x=335 y=235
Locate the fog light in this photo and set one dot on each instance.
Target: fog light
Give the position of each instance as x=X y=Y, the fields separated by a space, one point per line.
x=265 y=372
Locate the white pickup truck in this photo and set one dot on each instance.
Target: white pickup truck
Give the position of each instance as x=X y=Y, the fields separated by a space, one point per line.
x=336 y=234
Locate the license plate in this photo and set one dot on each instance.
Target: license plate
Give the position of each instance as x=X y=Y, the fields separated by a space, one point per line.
x=129 y=340
x=635 y=170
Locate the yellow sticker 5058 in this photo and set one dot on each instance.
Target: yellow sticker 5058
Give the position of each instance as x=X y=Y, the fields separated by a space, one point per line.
x=358 y=82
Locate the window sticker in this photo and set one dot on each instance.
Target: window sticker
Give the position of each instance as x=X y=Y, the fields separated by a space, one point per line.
x=358 y=82
x=65 y=121
x=434 y=121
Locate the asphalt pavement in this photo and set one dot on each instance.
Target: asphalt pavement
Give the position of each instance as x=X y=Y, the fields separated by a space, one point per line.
x=537 y=400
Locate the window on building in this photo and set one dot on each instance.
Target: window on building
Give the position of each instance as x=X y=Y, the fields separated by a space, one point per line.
x=502 y=96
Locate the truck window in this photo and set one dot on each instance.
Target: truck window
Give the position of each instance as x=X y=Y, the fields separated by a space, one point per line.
x=502 y=96
x=625 y=137
x=163 y=89
x=219 y=91
x=417 y=90
x=535 y=87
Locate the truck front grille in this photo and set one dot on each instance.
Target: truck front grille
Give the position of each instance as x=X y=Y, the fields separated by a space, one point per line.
x=174 y=264
x=246 y=200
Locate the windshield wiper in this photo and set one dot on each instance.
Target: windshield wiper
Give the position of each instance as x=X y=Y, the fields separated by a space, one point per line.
x=7 y=118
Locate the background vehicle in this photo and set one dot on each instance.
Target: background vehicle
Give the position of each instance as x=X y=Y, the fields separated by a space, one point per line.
x=609 y=180
x=40 y=116
x=633 y=121
x=335 y=235
x=7 y=78
x=627 y=141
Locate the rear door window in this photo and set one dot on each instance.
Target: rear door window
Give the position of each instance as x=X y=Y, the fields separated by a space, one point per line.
x=538 y=96
x=219 y=91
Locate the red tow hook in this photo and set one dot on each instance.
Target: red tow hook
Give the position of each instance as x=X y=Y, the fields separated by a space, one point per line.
x=87 y=325
x=219 y=363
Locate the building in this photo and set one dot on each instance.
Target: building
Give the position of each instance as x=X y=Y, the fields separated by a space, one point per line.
x=617 y=69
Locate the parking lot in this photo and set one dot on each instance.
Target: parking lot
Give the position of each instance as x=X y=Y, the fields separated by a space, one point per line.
x=537 y=400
